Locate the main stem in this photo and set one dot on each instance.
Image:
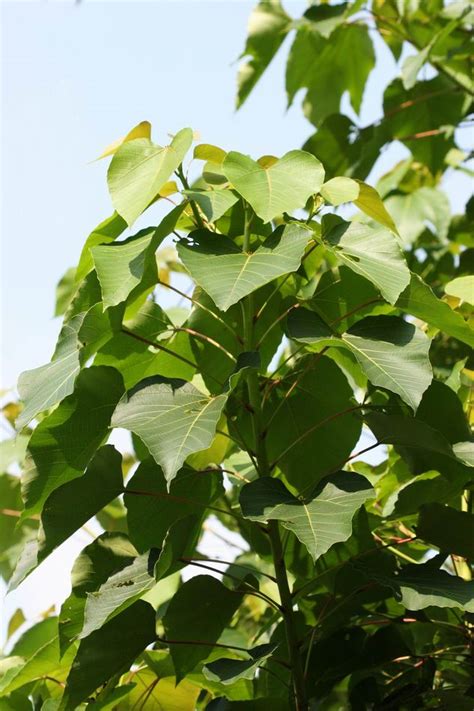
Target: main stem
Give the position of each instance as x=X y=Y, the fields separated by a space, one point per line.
x=263 y=467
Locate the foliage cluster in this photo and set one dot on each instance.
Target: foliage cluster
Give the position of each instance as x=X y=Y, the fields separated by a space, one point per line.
x=310 y=325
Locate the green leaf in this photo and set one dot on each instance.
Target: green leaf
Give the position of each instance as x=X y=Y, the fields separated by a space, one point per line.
x=462 y=288
x=370 y=202
x=119 y=591
x=412 y=65
x=422 y=586
x=35 y=655
x=107 y=231
x=316 y=426
x=106 y=555
x=200 y=610
x=43 y=387
x=392 y=352
x=14 y=535
x=281 y=186
x=414 y=211
x=151 y=516
x=172 y=418
x=267 y=28
x=339 y=190
x=109 y=651
x=465 y=452
x=65 y=289
x=324 y=68
x=419 y=300
x=228 y=275
x=213 y=203
x=450 y=530
x=64 y=442
x=408 y=432
x=140 y=168
x=372 y=253
x=319 y=521
x=71 y=505
x=228 y=671
x=123 y=266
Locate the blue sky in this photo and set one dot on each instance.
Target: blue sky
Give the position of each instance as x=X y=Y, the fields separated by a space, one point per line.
x=76 y=77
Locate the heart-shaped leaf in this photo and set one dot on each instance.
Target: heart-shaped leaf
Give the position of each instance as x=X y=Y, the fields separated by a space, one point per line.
x=278 y=187
x=371 y=252
x=392 y=353
x=140 y=168
x=227 y=274
x=321 y=520
x=172 y=418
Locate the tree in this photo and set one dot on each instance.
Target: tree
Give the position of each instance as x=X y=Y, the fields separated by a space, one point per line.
x=303 y=330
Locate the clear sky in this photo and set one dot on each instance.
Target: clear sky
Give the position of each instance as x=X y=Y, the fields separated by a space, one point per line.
x=75 y=78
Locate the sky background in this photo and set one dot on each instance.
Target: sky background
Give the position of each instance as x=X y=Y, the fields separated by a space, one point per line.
x=75 y=78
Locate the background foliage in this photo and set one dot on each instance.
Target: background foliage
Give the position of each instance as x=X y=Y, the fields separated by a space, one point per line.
x=247 y=405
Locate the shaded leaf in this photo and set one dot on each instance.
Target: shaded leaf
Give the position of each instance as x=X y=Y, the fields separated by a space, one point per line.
x=267 y=28
x=450 y=530
x=200 y=610
x=372 y=253
x=228 y=274
x=419 y=300
x=316 y=427
x=319 y=521
x=228 y=671
x=109 y=651
x=151 y=516
x=64 y=442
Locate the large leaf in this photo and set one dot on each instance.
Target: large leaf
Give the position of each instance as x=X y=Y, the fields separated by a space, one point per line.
x=316 y=427
x=372 y=253
x=70 y=506
x=418 y=586
x=414 y=211
x=64 y=442
x=419 y=300
x=228 y=671
x=280 y=186
x=152 y=510
x=267 y=28
x=109 y=651
x=47 y=385
x=122 y=266
x=34 y=655
x=200 y=610
x=319 y=521
x=119 y=591
x=450 y=530
x=228 y=274
x=172 y=418
x=106 y=555
x=391 y=352
x=394 y=354
x=107 y=231
x=324 y=68
x=140 y=168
